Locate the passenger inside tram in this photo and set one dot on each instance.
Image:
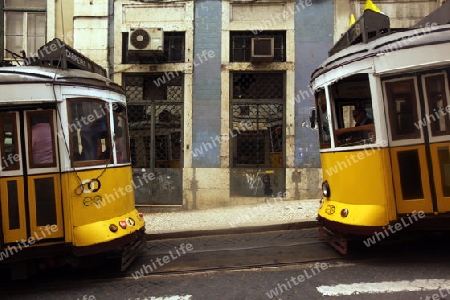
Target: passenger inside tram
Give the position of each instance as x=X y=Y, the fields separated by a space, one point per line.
x=352 y=134
x=41 y=139
x=360 y=117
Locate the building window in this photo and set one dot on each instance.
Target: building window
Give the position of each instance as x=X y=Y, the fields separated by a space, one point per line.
x=241 y=45
x=173 y=50
x=25 y=26
x=155 y=100
x=257 y=130
x=257 y=119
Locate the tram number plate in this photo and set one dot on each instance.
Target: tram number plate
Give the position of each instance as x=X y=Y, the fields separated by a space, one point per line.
x=330 y=209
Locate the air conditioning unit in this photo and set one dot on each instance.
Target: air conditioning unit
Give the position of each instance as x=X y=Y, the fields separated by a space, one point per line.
x=146 y=41
x=262 y=49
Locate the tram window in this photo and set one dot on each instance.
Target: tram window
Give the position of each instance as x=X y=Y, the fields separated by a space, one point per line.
x=322 y=120
x=89 y=131
x=41 y=137
x=355 y=122
x=352 y=109
x=402 y=103
x=437 y=105
x=121 y=134
x=9 y=143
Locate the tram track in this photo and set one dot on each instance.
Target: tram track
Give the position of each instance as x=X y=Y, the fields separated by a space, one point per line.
x=210 y=258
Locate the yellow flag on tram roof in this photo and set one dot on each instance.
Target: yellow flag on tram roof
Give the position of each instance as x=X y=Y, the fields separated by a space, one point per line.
x=371 y=6
x=352 y=20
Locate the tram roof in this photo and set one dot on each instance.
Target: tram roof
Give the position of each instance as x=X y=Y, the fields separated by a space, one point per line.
x=40 y=74
x=58 y=63
x=433 y=29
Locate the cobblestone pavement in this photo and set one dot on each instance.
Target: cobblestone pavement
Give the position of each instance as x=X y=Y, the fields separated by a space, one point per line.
x=269 y=213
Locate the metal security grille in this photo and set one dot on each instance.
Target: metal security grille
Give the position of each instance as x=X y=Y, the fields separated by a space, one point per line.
x=257 y=140
x=257 y=134
x=155 y=114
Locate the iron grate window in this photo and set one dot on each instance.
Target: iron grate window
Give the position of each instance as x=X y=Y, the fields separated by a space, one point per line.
x=241 y=41
x=257 y=112
x=161 y=96
x=258 y=86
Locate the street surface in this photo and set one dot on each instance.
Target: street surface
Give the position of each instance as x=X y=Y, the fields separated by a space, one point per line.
x=291 y=264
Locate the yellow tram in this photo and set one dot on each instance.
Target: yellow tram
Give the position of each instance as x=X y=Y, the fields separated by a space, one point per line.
x=383 y=115
x=66 y=180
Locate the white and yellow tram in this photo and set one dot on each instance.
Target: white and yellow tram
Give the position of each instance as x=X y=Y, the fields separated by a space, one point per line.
x=392 y=172
x=66 y=180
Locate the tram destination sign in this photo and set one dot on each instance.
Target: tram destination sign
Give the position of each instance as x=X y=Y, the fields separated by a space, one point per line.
x=56 y=53
x=369 y=26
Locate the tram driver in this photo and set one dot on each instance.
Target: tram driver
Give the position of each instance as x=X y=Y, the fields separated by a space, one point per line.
x=358 y=136
x=360 y=117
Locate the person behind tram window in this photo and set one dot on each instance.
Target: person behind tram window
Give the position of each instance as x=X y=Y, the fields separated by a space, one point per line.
x=360 y=117
x=41 y=139
x=91 y=137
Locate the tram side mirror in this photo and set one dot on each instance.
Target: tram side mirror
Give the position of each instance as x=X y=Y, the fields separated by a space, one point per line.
x=312 y=118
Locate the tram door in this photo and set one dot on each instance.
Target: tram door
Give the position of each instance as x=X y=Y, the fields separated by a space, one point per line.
x=30 y=186
x=420 y=131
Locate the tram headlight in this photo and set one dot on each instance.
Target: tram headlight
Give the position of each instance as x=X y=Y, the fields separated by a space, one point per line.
x=325 y=189
x=344 y=213
x=113 y=227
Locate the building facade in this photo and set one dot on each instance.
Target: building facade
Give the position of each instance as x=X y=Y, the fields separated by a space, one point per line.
x=219 y=104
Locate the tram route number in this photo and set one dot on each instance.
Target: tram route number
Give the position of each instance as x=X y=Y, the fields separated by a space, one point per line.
x=88 y=186
x=96 y=200
x=330 y=209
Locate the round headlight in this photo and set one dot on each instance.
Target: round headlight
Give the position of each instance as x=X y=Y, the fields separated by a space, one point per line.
x=325 y=189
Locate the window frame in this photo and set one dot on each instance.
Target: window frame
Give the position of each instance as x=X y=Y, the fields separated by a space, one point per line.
x=16 y=165
x=108 y=142
x=395 y=136
x=31 y=162
x=25 y=11
x=353 y=91
x=429 y=102
x=279 y=47
x=123 y=114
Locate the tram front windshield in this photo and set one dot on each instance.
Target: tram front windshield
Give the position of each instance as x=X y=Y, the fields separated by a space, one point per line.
x=351 y=113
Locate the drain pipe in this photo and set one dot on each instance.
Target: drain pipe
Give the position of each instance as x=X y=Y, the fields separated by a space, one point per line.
x=110 y=44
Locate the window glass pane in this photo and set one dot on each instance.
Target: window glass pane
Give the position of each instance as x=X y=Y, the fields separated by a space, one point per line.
x=437 y=104
x=42 y=141
x=36 y=31
x=10 y=155
x=402 y=109
x=13 y=33
x=26 y=4
x=121 y=134
x=352 y=102
x=322 y=120
x=14 y=23
x=89 y=131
